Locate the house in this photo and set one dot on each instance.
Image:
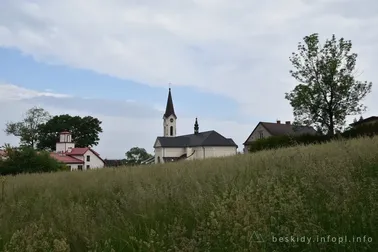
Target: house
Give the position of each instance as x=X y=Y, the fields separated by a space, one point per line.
x=369 y=120
x=76 y=158
x=3 y=154
x=199 y=145
x=268 y=129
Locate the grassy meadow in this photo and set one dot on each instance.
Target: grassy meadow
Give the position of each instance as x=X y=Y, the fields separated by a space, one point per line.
x=241 y=203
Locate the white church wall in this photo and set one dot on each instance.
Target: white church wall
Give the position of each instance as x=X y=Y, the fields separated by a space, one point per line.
x=198 y=152
x=159 y=155
x=220 y=151
x=168 y=152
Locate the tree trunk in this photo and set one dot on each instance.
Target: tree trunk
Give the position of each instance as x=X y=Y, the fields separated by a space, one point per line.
x=331 y=129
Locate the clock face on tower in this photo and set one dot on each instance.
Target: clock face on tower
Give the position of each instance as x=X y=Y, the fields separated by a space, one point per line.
x=171 y=120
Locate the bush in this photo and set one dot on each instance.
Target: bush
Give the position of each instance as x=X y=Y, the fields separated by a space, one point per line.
x=290 y=140
x=27 y=160
x=363 y=130
x=276 y=142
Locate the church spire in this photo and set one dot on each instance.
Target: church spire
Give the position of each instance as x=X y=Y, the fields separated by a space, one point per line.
x=169 y=110
x=196 y=127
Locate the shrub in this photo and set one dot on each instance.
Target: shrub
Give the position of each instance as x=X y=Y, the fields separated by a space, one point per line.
x=362 y=130
x=275 y=142
x=27 y=160
x=286 y=141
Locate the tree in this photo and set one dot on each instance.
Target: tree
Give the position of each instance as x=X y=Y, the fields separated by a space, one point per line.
x=136 y=155
x=85 y=131
x=28 y=160
x=328 y=90
x=27 y=129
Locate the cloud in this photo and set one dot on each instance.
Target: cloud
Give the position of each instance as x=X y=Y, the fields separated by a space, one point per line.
x=237 y=49
x=9 y=92
x=124 y=124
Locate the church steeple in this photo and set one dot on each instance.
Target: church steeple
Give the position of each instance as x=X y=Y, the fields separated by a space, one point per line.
x=196 y=127
x=169 y=118
x=169 y=110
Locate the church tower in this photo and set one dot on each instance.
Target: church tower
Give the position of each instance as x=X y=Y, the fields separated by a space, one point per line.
x=65 y=143
x=169 y=118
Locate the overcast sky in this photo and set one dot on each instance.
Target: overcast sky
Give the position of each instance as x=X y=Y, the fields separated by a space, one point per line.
x=228 y=61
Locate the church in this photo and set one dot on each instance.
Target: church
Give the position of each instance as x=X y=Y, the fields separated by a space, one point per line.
x=199 y=145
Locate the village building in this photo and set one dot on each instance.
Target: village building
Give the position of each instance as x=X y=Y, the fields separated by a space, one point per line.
x=199 y=145
x=76 y=158
x=370 y=120
x=268 y=129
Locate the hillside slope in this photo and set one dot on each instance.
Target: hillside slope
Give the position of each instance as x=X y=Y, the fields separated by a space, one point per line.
x=242 y=203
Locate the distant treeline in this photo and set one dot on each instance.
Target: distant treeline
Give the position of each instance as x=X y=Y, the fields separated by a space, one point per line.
x=115 y=162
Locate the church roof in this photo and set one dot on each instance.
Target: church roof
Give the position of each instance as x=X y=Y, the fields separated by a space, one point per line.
x=169 y=110
x=207 y=138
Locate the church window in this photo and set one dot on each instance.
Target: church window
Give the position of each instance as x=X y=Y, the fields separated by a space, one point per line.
x=171 y=129
x=158 y=159
x=171 y=120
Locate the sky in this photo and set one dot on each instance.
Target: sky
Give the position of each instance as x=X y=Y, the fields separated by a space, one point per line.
x=227 y=61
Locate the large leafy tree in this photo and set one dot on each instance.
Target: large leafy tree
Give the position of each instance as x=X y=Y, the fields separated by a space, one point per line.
x=27 y=129
x=85 y=131
x=136 y=155
x=328 y=90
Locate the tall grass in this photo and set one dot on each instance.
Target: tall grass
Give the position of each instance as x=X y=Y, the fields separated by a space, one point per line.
x=241 y=203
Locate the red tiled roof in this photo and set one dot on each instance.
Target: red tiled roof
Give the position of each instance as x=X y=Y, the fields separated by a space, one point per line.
x=82 y=151
x=65 y=159
x=78 y=151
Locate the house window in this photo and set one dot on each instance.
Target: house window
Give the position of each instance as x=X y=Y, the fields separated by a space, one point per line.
x=88 y=166
x=80 y=167
x=261 y=135
x=88 y=158
x=171 y=130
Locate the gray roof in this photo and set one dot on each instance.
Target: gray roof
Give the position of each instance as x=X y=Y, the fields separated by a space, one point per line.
x=280 y=129
x=207 y=138
x=369 y=119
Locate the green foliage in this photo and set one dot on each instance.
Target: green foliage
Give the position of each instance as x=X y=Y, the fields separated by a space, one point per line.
x=27 y=129
x=115 y=162
x=328 y=90
x=85 y=131
x=27 y=160
x=136 y=155
x=223 y=204
x=276 y=142
x=370 y=130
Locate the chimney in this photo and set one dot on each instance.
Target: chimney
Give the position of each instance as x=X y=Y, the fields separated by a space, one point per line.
x=287 y=122
x=278 y=122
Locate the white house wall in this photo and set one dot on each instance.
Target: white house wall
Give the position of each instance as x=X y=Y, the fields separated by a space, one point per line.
x=256 y=135
x=74 y=167
x=63 y=147
x=94 y=161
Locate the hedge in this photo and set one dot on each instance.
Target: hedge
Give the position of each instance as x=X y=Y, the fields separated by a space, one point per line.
x=27 y=160
x=275 y=142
